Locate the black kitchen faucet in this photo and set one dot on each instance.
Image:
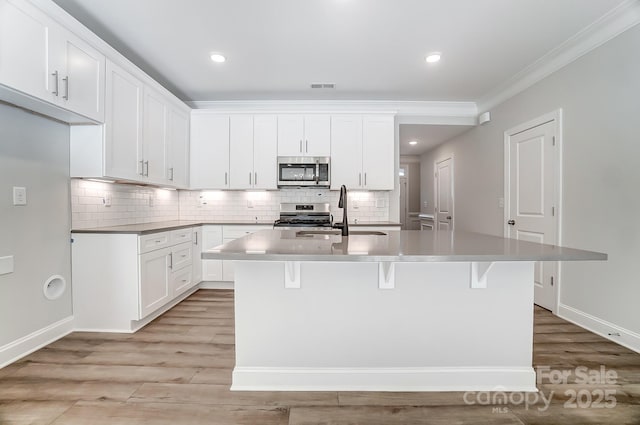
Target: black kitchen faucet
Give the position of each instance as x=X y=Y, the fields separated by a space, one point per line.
x=342 y=203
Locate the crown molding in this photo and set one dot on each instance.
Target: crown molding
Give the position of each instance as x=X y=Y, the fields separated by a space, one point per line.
x=403 y=108
x=613 y=23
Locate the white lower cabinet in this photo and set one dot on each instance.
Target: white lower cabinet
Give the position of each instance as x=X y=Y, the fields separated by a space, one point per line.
x=155 y=275
x=123 y=281
x=214 y=235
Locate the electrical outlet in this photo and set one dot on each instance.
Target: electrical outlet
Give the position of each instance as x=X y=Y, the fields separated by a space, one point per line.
x=249 y=203
x=425 y=204
x=106 y=200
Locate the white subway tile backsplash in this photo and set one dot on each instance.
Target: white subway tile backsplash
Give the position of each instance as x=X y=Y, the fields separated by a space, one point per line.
x=130 y=204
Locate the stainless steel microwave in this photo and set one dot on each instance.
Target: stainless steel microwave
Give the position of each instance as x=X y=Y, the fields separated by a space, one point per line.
x=295 y=171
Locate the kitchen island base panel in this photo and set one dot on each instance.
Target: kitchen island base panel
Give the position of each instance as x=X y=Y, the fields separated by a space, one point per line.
x=340 y=331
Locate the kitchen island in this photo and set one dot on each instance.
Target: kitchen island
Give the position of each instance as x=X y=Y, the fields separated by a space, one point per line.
x=396 y=311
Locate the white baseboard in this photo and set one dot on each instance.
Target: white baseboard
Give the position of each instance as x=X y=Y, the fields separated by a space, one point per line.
x=384 y=379
x=26 y=345
x=216 y=285
x=608 y=330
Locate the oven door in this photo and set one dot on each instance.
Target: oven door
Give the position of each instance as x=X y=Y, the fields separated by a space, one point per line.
x=303 y=172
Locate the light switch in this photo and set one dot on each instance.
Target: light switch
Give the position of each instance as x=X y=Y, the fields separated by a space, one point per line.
x=6 y=265
x=19 y=196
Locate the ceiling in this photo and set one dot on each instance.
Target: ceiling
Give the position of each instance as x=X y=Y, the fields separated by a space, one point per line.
x=427 y=136
x=370 y=49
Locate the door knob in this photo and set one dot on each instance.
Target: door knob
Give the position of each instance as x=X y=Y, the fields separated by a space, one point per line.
x=448 y=217
x=511 y=222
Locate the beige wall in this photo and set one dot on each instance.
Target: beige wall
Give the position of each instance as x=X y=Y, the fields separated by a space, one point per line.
x=600 y=97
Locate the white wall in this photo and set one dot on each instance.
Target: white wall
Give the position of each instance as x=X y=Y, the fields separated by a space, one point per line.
x=34 y=153
x=600 y=97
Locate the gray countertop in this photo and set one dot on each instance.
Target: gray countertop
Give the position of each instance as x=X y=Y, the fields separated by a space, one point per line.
x=144 y=228
x=397 y=246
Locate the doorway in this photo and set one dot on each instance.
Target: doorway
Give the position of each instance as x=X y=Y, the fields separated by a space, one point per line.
x=444 y=194
x=532 y=195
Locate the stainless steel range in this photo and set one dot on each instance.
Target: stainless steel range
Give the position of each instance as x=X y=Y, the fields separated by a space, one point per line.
x=295 y=216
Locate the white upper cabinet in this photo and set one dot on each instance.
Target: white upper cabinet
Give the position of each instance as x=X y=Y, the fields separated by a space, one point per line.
x=178 y=147
x=362 y=152
x=265 y=152
x=304 y=135
x=378 y=135
x=346 y=149
x=209 y=165
x=234 y=152
x=42 y=59
x=81 y=86
x=241 y=151
x=123 y=129
x=154 y=148
x=23 y=50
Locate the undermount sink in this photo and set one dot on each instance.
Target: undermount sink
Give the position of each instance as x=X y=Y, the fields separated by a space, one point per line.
x=337 y=232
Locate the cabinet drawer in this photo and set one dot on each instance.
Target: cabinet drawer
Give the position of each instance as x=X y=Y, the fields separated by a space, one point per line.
x=181 y=256
x=154 y=241
x=235 y=232
x=181 y=235
x=181 y=281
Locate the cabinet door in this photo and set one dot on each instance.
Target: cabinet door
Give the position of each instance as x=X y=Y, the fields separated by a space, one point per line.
x=241 y=152
x=155 y=288
x=123 y=124
x=197 y=254
x=378 y=152
x=211 y=237
x=154 y=137
x=346 y=151
x=178 y=148
x=82 y=88
x=317 y=135
x=23 y=50
x=209 y=151
x=290 y=135
x=265 y=152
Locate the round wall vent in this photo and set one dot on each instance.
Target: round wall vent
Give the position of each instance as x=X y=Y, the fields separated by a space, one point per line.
x=54 y=287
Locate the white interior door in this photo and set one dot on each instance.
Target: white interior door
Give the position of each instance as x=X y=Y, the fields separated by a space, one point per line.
x=444 y=194
x=531 y=198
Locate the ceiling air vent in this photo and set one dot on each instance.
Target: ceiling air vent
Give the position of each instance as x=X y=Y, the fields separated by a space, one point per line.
x=323 y=85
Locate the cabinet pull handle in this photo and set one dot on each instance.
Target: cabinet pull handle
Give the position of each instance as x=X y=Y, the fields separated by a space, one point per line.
x=171 y=260
x=249 y=178
x=171 y=171
x=365 y=179
x=255 y=178
x=146 y=173
x=184 y=255
x=306 y=146
x=300 y=145
x=142 y=168
x=66 y=89
x=196 y=241
x=225 y=178
x=359 y=179
x=184 y=280
x=56 y=91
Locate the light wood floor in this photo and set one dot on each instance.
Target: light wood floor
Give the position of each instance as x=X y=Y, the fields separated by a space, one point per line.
x=177 y=371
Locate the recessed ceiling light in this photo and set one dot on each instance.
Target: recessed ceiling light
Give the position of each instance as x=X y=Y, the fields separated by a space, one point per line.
x=433 y=57
x=413 y=142
x=217 y=58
